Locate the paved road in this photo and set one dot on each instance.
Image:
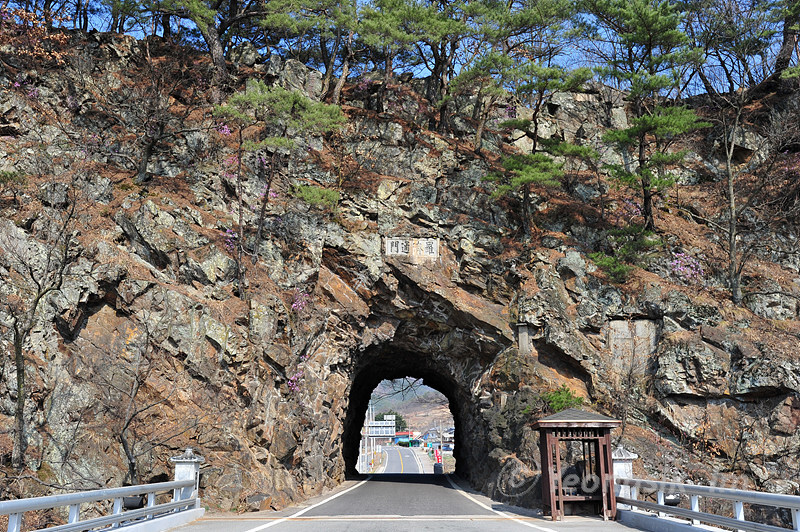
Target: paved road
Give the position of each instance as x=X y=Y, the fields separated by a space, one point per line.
x=399 y=502
x=401 y=460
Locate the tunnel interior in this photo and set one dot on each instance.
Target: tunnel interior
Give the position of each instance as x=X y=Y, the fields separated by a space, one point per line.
x=389 y=364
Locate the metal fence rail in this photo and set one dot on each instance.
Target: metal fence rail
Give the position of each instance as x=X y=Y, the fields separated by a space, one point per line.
x=738 y=497
x=16 y=508
x=184 y=498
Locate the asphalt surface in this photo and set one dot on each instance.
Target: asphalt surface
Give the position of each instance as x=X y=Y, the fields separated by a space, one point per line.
x=401 y=460
x=399 y=500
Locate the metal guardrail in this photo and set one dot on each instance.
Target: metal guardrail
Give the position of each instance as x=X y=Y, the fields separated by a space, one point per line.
x=738 y=497
x=185 y=505
x=183 y=498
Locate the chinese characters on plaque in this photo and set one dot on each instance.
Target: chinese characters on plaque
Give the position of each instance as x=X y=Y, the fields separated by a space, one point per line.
x=414 y=248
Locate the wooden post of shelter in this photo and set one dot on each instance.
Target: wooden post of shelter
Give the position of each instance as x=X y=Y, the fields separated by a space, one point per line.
x=593 y=482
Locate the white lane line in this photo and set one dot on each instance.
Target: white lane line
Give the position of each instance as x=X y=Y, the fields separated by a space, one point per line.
x=506 y=516
x=382 y=469
x=416 y=457
x=304 y=510
x=424 y=519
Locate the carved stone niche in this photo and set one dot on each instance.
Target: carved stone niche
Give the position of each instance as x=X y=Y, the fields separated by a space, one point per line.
x=632 y=342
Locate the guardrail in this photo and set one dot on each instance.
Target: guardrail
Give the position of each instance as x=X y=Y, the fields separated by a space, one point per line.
x=738 y=497
x=151 y=517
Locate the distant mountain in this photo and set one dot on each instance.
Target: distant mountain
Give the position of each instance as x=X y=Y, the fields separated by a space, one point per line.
x=422 y=406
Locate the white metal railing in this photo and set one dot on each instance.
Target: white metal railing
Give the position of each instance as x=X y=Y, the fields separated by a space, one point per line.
x=738 y=497
x=184 y=497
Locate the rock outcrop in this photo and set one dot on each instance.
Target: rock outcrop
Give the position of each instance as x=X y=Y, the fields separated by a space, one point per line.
x=151 y=341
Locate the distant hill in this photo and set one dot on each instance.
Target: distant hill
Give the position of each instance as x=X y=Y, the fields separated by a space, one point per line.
x=420 y=405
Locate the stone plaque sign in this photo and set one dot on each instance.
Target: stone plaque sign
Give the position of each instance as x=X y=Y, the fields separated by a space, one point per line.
x=428 y=247
x=397 y=246
x=414 y=248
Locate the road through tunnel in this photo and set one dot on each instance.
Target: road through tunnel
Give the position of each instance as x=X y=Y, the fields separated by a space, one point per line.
x=389 y=364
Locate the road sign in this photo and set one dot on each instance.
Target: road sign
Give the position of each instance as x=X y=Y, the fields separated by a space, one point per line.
x=438 y=455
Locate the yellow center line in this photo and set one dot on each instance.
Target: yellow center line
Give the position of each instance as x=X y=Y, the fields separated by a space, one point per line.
x=401 y=459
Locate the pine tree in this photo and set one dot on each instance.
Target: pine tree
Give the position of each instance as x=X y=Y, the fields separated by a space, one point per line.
x=644 y=53
x=280 y=116
x=440 y=28
x=382 y=28
x=520 y=172
x=520 y=45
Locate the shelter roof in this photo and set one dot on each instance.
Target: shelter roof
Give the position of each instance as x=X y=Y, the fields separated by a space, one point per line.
x=575 y=417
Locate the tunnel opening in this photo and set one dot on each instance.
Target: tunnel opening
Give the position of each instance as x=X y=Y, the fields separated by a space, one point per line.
x=391 y=365
x=409 y=428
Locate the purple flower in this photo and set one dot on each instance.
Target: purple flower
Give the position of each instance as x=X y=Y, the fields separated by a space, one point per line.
x=231 y=237
x=224 y=130
x=294 y=381
x=300 y=300
x=687 y=268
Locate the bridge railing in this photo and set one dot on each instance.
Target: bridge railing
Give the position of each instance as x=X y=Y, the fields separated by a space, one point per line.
x=738 y=497
x=151 y=517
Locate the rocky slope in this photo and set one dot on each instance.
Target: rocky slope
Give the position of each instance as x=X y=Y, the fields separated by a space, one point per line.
x=151 y=340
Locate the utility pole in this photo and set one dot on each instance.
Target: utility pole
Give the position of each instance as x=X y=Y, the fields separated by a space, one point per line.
x=370 y=415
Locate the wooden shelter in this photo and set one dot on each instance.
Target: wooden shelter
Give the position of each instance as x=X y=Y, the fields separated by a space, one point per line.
x=588 y=481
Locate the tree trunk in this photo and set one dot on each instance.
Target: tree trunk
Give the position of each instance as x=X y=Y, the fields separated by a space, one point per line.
x=147 y=154
x=220 y=77
x=526 y=211
x=348 y=52
x=647 y=193
x=479 y=132
x=786 y=51
x=387 y=77
x=329 y=60
x=20 y=443
x=165 y=26
x=263 y=212
x=734 y=274
x=130 y=457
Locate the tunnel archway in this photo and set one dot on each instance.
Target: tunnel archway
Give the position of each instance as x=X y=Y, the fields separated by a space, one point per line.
x=387 y=364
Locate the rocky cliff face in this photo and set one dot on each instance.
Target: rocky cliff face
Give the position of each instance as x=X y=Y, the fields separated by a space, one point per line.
x=150 y=344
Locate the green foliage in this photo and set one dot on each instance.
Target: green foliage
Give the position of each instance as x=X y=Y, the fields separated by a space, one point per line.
x=317 y=196
x=662 y=125
x=11 y=178
x=526 y=169
x=523 y=124
x=791 y=72
x=561 y=399
x=647 y=52
x=630 y=244
x=616 y=270
x=540 y=81
x=285 y=113
x=631 y=241
x=382 y=27
x=570 y=151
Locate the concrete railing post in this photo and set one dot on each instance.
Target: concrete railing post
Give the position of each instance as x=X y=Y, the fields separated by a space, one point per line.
x=694 y=505
x=187 y=467
x=623 y=468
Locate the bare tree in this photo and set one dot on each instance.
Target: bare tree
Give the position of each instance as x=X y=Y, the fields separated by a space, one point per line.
x=129 y=403
x=761 y=189
x=133 y=122
x=33 y=266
